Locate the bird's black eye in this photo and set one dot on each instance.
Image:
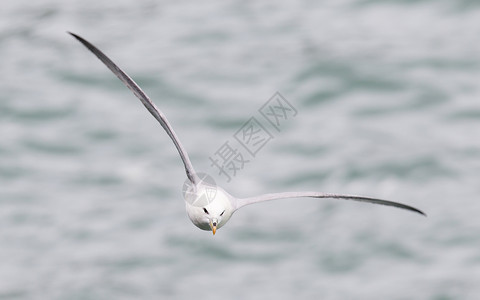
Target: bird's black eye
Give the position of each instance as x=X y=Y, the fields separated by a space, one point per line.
x=222 y=213
x=205 y=210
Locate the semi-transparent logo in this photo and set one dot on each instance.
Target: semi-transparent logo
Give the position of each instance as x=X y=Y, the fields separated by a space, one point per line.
x=202 y=193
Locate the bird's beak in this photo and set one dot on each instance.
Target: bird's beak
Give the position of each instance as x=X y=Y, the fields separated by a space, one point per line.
x=213 y=225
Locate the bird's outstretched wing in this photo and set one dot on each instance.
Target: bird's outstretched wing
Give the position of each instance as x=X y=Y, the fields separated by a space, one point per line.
x=245 y=201
x=146 y=101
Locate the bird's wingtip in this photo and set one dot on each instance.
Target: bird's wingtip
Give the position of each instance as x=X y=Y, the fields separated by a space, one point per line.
x=74 y=35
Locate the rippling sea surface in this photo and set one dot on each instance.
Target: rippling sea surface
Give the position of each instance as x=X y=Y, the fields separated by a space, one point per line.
x=387 y=95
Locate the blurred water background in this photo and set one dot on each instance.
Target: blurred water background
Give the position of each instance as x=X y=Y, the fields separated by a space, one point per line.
x=387 y=94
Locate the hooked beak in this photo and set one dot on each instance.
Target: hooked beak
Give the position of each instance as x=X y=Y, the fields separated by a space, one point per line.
x=213 y=225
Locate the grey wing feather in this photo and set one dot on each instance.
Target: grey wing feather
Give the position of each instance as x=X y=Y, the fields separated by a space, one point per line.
x=145 y=100
x=246 y=201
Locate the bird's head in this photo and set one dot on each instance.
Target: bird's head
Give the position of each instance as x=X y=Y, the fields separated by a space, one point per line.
x=209 y=217
x=207 y=210
x=213 y=216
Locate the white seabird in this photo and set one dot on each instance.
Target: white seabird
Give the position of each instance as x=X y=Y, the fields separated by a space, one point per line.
x=207 y=210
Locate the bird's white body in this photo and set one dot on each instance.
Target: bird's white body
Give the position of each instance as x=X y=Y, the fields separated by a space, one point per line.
x=218 y=211
x=209 y=212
